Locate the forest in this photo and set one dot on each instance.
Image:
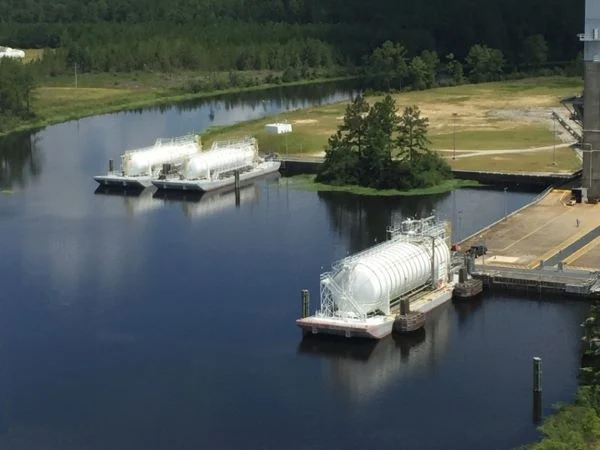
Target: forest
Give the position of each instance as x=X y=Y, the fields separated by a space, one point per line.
x=119 y=35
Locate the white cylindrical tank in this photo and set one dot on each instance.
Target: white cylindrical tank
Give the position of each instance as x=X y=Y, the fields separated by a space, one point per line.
x=220 y=160
x=141 y=162
x=393 y=269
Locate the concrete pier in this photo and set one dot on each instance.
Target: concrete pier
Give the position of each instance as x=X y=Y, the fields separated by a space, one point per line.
x=550 y=246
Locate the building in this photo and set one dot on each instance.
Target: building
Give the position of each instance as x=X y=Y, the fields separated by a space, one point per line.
x=278 y=128
x=7 y=52
x=591 y=100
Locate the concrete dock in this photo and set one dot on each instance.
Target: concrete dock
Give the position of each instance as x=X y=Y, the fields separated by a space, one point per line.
x=551 y=245
x=544 y=233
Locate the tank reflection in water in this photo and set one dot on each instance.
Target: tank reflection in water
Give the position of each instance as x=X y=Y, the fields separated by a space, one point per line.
x=361 y=369
x=136 y=201
x=196 y=205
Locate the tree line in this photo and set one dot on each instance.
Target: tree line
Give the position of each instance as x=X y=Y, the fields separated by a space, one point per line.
x=375 y=147
x=16 y=87
x=274 y=34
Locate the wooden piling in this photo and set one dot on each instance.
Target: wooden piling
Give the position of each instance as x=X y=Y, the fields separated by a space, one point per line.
x=305 y=296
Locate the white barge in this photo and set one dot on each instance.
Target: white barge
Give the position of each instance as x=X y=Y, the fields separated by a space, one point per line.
x=140 y=166
x=363 y=293
x=226 y=164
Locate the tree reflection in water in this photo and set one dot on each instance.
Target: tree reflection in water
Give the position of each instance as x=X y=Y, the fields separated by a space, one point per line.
x=362 y=220
x=20 y=160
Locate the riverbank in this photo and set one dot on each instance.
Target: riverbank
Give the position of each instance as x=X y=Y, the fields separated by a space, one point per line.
x=578 y=425
x=307 y=182
x=55 y=104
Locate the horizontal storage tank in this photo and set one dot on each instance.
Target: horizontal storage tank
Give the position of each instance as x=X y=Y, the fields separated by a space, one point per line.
x=208 y=164
x=387 y=272
x=141 y=162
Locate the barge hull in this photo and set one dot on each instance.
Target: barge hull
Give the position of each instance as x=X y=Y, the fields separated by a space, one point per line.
x=207 y=186
x=376 y=328
x=124 y=182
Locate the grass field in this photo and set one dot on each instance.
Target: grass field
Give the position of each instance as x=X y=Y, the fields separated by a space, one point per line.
x=542 y=161
x=492 y=116
x=54 y=102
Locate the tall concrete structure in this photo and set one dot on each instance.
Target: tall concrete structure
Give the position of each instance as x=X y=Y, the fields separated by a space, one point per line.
x=591 y=102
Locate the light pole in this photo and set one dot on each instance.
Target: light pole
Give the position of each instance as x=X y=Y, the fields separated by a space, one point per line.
x=554 y=140
x=454 y=115
x=505 y=204
x=459 y=225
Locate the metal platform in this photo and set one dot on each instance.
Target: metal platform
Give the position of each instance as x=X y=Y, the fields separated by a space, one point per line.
x=575 y=283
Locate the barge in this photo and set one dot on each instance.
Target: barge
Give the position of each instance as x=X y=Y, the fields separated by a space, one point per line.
x=390 y=285
x=140 y=166
x=226 y=164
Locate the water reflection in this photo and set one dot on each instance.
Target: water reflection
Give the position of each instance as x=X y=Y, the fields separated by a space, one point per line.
x=196 y=205
x=362 y=220
x=5 y=417
x=361 y=369
x=136 y=201
x=20 y=160
x=465 y=309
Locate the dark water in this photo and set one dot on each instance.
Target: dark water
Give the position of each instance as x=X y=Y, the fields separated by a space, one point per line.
x=160 y=322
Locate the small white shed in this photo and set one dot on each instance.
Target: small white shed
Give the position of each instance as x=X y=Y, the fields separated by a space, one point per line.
x=278 y=128
x=7 y=52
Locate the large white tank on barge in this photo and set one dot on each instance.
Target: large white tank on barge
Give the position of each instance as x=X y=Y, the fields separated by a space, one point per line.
x=417 y=254
x=221 y=159
x=142 y=161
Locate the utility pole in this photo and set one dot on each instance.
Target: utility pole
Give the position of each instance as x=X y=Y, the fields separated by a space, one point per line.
x=505 y=204
x=75 y=66
x=454 y=135
x=554 y=141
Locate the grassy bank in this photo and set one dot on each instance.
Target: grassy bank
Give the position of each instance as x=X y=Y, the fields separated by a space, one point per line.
x=308 y=183
x=495 y=118
x=572 y=427
x=57 y=103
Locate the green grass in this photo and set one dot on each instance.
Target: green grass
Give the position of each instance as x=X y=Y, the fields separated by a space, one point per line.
x=55 y=104
x=525 y=136
x=476 y=124
x=542 y=161
x=308 y=183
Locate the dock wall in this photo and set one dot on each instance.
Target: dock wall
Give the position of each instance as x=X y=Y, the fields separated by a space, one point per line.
x=516 y=211
x=295 y=166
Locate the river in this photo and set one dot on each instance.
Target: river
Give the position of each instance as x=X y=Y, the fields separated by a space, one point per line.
x=159 y=322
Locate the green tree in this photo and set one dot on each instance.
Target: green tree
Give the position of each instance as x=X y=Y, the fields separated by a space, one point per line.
x=354 y=124
x=16 y=87
x=412 y=139
x=432 y=61
x=485 y=63
x=341 y=162
x=535 y=50
x=454 y=69
x=387 y=66
x=419 y=73
x=381 y=123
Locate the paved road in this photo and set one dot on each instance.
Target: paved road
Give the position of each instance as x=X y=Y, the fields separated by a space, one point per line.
x=565 y=253
x=473 y=153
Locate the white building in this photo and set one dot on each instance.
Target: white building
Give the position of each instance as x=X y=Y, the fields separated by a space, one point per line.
x=7 y=52
x=278 y=128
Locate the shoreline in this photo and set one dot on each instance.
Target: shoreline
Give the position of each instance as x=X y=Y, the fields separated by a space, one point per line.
x=162 y=98
x=307 y=183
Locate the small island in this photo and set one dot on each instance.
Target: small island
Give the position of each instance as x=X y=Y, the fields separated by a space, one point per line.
x=376 y=149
